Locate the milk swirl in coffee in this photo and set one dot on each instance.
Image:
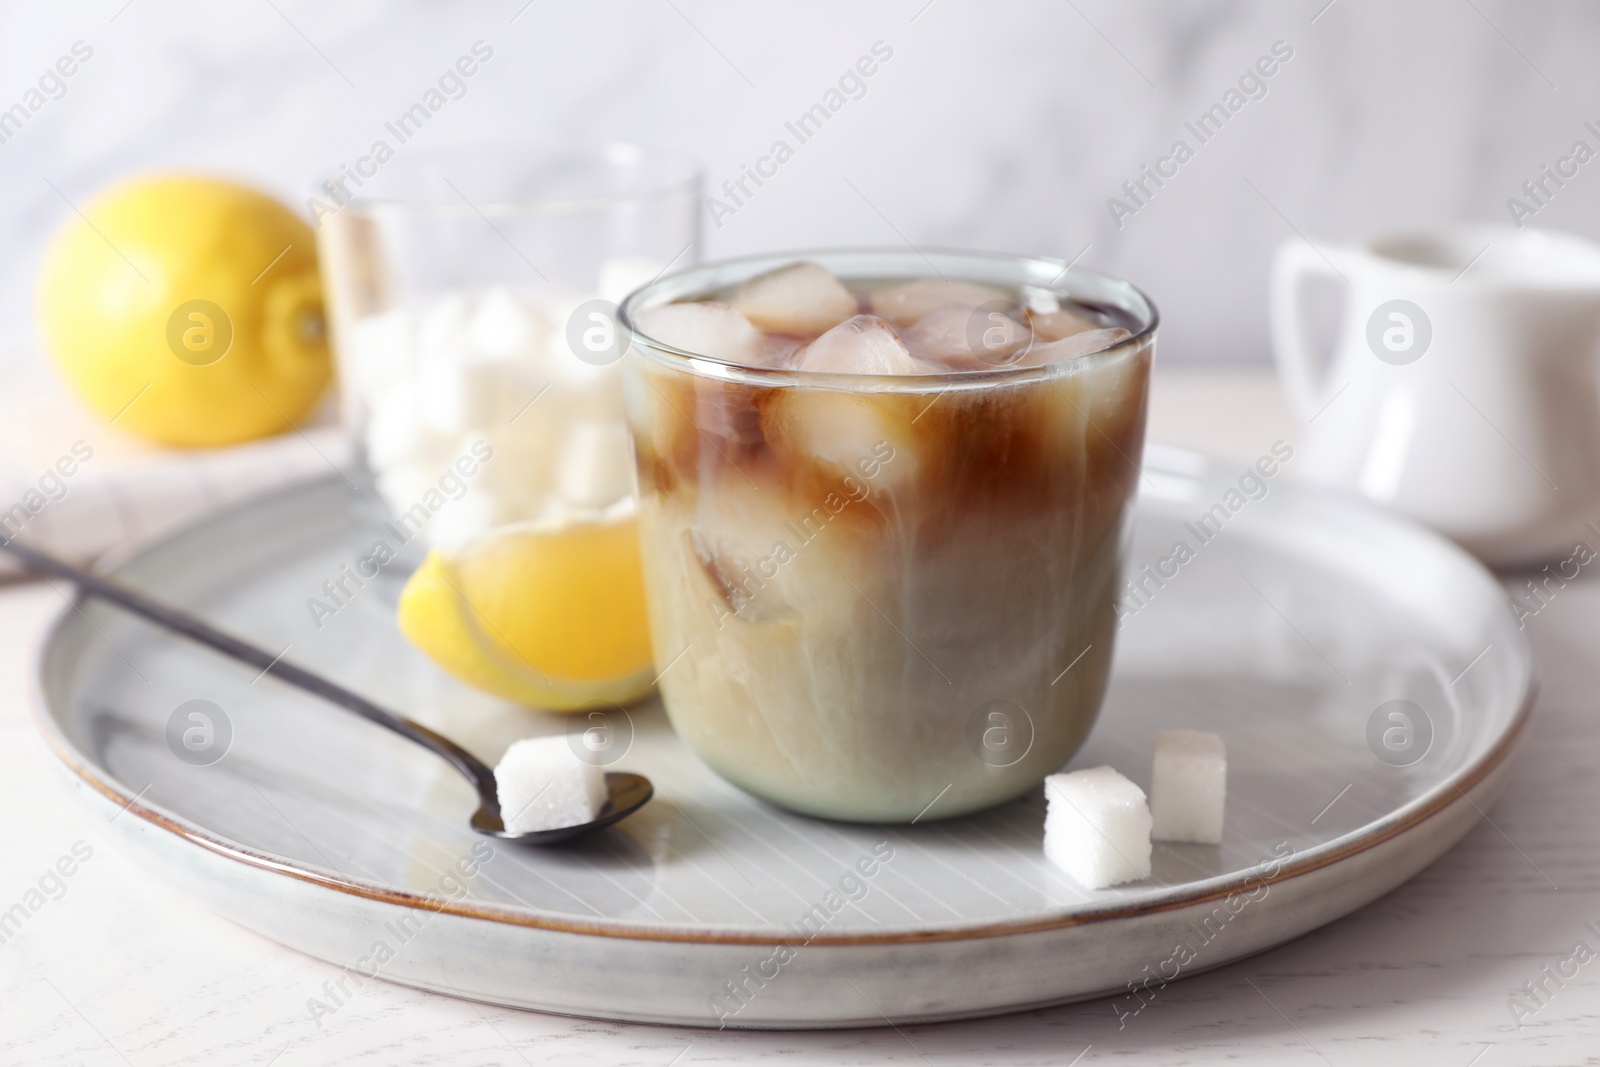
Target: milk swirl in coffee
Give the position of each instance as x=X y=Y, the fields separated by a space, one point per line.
x=883 y=521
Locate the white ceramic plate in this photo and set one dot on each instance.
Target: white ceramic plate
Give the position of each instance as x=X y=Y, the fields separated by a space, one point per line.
x=1286 y=632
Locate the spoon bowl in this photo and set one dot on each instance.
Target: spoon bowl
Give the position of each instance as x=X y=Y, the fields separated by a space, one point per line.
x=626 y=793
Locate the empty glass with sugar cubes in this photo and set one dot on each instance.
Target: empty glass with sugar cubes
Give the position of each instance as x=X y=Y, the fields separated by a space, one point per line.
x=472 y=298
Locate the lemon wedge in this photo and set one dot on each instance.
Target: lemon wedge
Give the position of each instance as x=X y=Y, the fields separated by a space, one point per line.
x=552 y=617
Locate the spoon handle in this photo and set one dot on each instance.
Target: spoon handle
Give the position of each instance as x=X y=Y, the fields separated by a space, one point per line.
x=203 y=633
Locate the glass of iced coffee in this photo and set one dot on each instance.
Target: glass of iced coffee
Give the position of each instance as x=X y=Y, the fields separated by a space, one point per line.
x=884 y=501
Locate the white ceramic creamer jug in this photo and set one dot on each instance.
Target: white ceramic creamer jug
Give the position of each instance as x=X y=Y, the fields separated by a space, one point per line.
x=1463 y=389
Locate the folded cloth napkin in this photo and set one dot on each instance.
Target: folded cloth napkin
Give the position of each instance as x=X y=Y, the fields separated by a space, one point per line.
x=74 y=485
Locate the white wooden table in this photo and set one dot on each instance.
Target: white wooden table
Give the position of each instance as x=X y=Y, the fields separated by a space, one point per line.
x=122 y=969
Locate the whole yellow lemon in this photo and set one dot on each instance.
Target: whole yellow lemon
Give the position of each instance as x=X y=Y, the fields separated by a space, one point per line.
x=188 y=310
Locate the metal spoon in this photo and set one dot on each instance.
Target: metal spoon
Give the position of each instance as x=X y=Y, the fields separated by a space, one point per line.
x=627 y=793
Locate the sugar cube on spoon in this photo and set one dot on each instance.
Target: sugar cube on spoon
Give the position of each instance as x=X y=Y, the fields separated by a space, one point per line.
x=544 y=785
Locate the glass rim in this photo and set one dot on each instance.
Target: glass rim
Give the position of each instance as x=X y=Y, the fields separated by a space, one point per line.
x=673 y=171
x=680 y=284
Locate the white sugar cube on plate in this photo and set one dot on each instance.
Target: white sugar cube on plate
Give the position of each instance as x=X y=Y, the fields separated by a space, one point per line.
x=1097 y=827
x=1188 y=786
x=544 y=785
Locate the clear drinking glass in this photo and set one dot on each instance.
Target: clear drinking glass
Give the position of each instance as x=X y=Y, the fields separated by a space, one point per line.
x=472 y=298
x=882 y=597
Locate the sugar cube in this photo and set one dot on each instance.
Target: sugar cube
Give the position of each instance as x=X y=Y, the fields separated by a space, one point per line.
x=1188 y=784
x=1097 y=827
x=621 y=275
x=442 y=331
x=544 y=785
x=378 y=352
x=565 y=367
x=464 y=520
x=504 y=327
x=595 y=467
x=458 y=395
x=403 y=487
x=395 y=433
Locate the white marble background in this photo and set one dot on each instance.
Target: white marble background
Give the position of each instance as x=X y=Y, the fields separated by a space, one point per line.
x=1001 y=126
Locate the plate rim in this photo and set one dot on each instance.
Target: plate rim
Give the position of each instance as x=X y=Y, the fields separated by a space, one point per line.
x=1369 y=836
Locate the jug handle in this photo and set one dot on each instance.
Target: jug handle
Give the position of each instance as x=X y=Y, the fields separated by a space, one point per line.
x=1296 y=263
